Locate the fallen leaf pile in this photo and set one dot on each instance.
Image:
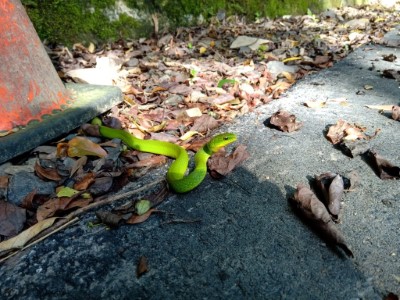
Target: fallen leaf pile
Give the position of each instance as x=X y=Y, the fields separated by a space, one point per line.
x=321 y=215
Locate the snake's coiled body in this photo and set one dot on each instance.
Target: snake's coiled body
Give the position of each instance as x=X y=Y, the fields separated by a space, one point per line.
x=176 y=173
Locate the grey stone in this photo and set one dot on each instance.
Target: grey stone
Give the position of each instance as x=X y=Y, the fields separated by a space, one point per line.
x=22 y=183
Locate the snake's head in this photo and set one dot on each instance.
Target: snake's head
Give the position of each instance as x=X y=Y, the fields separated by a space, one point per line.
x=221 y=140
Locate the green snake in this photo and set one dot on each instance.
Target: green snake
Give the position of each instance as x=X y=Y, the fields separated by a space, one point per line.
x=176 y=173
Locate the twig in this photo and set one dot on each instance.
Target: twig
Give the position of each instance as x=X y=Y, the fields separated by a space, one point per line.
x=40 y=239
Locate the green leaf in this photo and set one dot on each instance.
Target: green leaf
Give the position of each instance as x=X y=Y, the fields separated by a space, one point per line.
x=226 y=81
x=142 y=207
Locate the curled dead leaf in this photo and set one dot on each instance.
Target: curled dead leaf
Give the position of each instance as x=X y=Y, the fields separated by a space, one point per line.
x=331 y=188
x=110 y=219
x=46 y=173
x=315 y=212
x=81 y=146
x=285 y=121
x=222 y=165
x=396 y=113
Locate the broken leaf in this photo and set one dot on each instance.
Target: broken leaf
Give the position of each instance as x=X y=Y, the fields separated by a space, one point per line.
x=285 y=121
x=21 y=239
x=80 y=146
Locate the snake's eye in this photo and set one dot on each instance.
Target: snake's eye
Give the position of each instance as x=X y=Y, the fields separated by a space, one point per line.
x=226 y=138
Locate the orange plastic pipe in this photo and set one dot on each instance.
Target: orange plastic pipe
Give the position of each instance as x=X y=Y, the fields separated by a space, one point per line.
x=29 y=84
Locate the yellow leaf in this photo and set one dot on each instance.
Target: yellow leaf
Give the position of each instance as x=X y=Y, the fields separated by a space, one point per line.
x=65 y=191
x=21 y=239
x=80 y=146
x=188 y=135
x=202 y=50
x=288 y=76
x=91 y=48
x=291 y=59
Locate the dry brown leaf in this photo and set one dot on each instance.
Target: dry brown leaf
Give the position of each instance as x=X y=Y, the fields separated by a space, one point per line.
x=383 y=168
x=389 y=57
x=48 y=173
x=336 y=189
x=85 y=182
x=396 y=113
x=204 y=124
x=136 y=219
x=345 y=132
x=222 y=164
x=21 y=239
x=142 y=266
x=391 y=74
x=277 y=89
x=12 y=218
x=315 y=104
x=312 y=208
x=78 y=164
x=285 y=121
x=4 y=181
x=52 y=207
x=391 y=296
x=92 y=130
x=110 y=219
x=315 y=211
x=27 y=202
x=81 y=146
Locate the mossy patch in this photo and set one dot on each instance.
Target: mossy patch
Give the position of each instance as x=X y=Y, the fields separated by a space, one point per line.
x=71 y=21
